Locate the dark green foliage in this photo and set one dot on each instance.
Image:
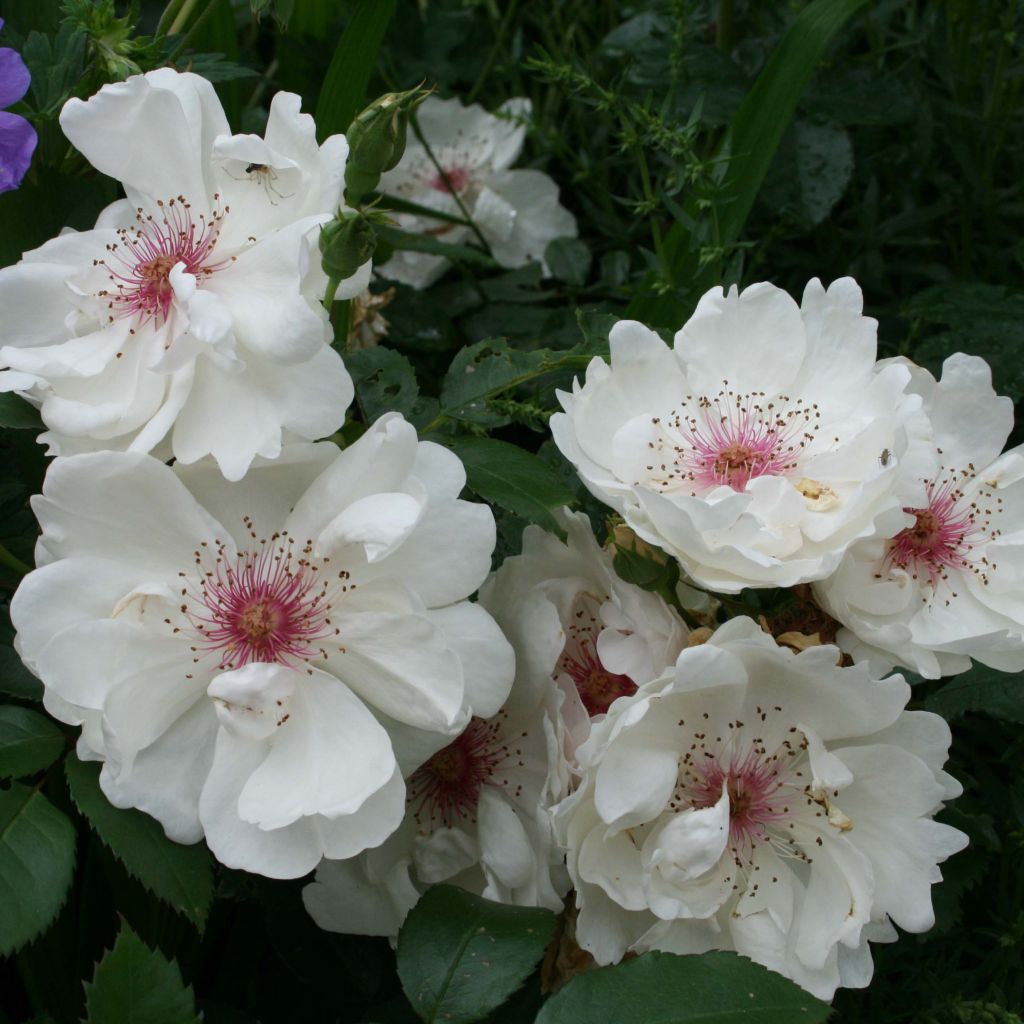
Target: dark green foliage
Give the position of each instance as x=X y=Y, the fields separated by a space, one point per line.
x=659 y=988
x=180 y=875
x=136 y=985
x=37 y=858
x=29 y=742
x=460 y=956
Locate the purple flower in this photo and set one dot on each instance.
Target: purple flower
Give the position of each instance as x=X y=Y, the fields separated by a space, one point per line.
x=17 y=136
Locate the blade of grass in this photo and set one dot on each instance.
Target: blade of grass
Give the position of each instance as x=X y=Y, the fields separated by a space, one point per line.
x=344 y=90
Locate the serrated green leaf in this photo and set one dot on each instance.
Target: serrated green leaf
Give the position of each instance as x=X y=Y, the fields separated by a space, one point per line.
x=181 y=876
x=515 y=479
x=461 y=956
x=488 y=368
x=385 y=381
x=15 y=679
x=17 y=414
x=344 y=90
x=134 y=984
x=995 y=693
x=29 y=742
x=37 y=861
x=662 y=988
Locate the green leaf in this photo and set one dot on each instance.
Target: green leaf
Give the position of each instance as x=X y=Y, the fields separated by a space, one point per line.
x=37 y=860
x=662 y=988
x=824 y=166
x=569 y=260
x=481 y=371
x=134 y=984
x=999 y=694
x=29 y=742
x=18 y=414
x=384 y=380
x=344 y=90
x=397 y=239
x=515 y=479
x=15 y=679
x=461 y=956
x=179 y=875
x=751 y=142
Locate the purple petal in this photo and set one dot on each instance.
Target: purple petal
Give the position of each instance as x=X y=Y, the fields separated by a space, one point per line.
x=17 y=144
x=14 y=77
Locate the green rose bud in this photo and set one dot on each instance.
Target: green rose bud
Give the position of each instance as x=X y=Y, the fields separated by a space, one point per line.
x=376 y=140
x=346 y=243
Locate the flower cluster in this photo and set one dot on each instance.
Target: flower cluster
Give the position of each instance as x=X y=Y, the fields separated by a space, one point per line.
x=272 y=644
x=768 y=448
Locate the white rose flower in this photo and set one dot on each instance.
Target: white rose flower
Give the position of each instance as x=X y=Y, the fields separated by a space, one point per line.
x=517 y=212
x=949 y=586
x=477 y=816
x=571 y=618
x=762 y=801
x=187 y=321
x=237 y=652
x=759 y=447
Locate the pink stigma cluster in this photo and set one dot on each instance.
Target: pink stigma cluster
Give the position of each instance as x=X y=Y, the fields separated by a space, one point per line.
x=458 y=180
x=756 y=798
x=597 y=687
x=729 y=439
x=139 y=264
x=446 y=789
x=947 y=535
x=770 y=789
x=271 y=604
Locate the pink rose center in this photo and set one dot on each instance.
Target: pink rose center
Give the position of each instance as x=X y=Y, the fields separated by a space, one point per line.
x=755 y=797
x=731 y=439
x=597 y=687
x=459 y=179
x=140 y=262
x=446 y=789
x=946 y=536
x=271 y=604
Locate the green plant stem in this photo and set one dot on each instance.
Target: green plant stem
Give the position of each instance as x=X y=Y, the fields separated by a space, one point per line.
x=333 y=283
x=577 y=362
x=170 y=11
x=444 y=177
x=196 y=25
x=184 y=12
x=649 y=198
x=13 y=563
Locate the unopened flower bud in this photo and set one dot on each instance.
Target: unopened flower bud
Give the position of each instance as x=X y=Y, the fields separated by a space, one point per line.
x=346 y=243
x=376 y=140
